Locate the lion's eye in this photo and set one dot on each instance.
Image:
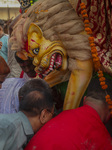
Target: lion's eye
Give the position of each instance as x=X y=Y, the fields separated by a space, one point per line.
x=36 y=50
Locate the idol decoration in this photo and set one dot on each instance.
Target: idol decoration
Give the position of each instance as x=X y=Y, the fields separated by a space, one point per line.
x=25 y=4
x=53 y=34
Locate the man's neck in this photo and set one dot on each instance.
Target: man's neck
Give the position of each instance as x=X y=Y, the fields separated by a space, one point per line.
x=34 y=121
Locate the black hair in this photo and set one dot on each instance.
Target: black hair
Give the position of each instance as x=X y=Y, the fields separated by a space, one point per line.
x=2 y=23
x=31 y=85
x=95 y=91
x=35 y=95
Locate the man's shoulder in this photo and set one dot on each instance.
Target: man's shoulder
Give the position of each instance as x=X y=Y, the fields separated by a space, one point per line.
x=11 y=132
x=6 y=125
x=5 y=37
x=9 y=119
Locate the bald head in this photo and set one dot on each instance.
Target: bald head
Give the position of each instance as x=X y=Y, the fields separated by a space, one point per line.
x=96 y=98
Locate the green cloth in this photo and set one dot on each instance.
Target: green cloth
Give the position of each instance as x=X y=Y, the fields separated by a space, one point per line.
x=95 y=75
x=14 y=129
x=62 y=87
x=106 y=75
x=35 y=1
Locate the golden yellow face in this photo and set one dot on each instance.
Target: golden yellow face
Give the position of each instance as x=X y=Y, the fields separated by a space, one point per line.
x=48 y=56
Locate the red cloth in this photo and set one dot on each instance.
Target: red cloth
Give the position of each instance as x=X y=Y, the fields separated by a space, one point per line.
x=77 y=129
x=100 y=17
x=22 y=73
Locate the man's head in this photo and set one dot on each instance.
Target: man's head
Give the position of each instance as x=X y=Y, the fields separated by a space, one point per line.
x=36 y=102
x=4 y=70
x=1 y=27
x=96 y=98
x=26 y=66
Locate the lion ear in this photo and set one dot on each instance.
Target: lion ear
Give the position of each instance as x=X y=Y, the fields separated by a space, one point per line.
x=34 y=28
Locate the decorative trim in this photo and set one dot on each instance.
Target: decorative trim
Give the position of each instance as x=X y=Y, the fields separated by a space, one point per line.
x=96 y=61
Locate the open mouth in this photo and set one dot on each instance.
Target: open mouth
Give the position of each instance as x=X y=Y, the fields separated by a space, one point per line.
x=55 y=64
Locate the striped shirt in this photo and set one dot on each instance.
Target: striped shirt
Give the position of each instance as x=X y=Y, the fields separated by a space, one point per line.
x=9 y=101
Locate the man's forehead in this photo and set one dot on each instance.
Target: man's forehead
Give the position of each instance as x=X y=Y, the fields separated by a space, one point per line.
x=25 y=63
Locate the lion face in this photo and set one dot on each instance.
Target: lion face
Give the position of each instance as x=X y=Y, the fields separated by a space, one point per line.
x=48 y=56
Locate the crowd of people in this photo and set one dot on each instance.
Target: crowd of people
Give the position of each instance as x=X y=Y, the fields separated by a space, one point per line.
x=30 y=106
x=32 y=116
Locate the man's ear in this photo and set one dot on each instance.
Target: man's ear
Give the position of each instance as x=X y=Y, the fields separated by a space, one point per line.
x=44 y=116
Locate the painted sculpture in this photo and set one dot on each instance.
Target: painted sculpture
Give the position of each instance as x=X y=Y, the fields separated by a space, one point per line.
x=53 y=34
x=99 y=13
x=25 y=4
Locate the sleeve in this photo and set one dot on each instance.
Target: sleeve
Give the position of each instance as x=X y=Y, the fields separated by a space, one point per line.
x=3 y=138
x=7 y=136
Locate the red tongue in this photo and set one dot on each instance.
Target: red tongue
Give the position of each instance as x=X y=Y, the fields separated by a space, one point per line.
x=58 y=60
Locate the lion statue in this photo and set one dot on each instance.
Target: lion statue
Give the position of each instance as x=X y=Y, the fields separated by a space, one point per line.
x=53 y=34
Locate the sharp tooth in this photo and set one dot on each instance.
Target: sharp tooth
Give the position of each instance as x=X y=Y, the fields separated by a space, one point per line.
x=47 y=71
x=53 y=56
x=51 y=68
x=57 y=63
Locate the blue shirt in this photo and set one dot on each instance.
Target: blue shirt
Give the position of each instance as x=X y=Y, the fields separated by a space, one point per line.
x=14 y=129
x=4 y=47
x=9 y=101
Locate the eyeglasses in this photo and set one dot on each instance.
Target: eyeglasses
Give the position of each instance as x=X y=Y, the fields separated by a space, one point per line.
x=53 y=111
x=50 y=112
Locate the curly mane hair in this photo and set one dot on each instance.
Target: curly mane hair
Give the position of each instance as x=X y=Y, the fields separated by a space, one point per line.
x=58 y=20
